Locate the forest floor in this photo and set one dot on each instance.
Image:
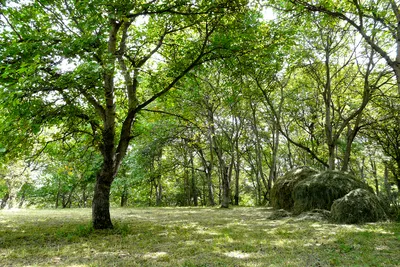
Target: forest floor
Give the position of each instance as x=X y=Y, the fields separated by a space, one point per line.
x=191 y=237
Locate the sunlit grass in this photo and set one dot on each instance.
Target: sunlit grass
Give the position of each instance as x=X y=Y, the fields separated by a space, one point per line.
x=191 y=237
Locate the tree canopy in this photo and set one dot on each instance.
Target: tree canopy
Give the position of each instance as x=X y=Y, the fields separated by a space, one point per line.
x=193 y=102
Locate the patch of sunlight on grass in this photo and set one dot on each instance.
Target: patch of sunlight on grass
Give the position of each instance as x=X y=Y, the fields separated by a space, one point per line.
x=155 y=255
x=316 y=225
x=352 y=227
x=382 y=247
x=190 y=243
x=190 y=237
x=282 y=243
x=206 y=231
x=237 y=254
x=380 y=230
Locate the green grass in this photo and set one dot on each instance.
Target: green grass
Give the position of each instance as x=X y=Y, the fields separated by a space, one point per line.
x=190 y=237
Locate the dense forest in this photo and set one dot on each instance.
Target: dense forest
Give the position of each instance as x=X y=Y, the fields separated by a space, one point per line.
x=193 y=103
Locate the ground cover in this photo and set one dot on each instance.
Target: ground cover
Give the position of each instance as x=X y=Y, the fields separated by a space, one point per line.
x=191 y=237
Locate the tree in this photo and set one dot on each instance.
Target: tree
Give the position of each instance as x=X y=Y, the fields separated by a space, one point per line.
x=13 y=177
x=123 y=56
x=378 y=23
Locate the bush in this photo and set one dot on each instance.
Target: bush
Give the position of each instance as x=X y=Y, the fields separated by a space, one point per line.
x=282 y=191
x=358 y=206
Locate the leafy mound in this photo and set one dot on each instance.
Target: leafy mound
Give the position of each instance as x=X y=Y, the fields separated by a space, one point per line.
x=358 y=206
x=282 y=191
x=321 y=190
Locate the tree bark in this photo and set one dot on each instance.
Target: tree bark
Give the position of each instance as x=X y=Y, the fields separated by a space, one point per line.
x=259 y=172
x=208 y=166
x=101 y=204
x=194 y=185
x=5 y=200
x=237 y=176
x=375 y=175
x=124 y=196
x=225 y=188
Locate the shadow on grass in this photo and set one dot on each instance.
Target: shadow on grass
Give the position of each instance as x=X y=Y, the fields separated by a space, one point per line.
x=191 y=237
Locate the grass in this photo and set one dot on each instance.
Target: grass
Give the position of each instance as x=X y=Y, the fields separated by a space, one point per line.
x=190 y=237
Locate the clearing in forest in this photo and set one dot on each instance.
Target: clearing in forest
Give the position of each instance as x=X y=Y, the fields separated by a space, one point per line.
x=191 y=237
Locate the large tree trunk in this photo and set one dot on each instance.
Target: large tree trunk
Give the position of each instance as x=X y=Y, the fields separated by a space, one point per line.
x=101 y=204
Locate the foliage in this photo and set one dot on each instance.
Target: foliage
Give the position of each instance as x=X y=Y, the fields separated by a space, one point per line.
x=192 y=103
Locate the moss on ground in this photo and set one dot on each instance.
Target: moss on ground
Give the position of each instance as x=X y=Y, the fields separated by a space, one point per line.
x=191 y=237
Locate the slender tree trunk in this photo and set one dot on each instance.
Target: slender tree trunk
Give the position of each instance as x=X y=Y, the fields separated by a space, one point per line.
x=258 y=185
x=275 y=146
x=327 y=96
x=158 y=192
x=237 y=175
x=58 y=195
x=69 y=199
x=208 y=166
x=210 y=185
x=211 y=145
x=5 y=200
x=362 y=169
x=124 y=200
x=289 y=159
x=194 y=185
x=236 y=163
x=346 y=159
x=124 y=196
x=159 y=187
x=258 y=151
x=387 y=184
x=21 y=202
x=375 y=175
x=84 y=196
x=225 y=188
x=151 y=192
x=186 y=182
